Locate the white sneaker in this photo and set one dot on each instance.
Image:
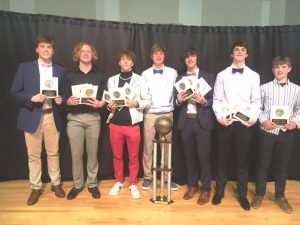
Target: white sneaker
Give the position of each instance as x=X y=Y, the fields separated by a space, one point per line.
x=135 y=193
x=115 y=189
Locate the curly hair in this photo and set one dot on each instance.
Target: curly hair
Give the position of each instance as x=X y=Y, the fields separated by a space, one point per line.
x=77 y=49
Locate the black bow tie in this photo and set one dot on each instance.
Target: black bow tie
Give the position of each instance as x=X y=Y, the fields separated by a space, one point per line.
x=157 y=71
x=237 y=70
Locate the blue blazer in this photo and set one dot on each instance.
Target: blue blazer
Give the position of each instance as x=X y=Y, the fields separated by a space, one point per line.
x=27 y=84
x=205 y=113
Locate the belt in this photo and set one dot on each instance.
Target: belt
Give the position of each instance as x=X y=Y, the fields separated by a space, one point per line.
x=47 y=111
x=191 y=116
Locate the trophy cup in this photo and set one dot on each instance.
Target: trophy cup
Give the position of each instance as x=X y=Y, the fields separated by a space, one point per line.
x=162 y=125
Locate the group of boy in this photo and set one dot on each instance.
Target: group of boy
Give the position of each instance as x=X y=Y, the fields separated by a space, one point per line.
x=155 y=96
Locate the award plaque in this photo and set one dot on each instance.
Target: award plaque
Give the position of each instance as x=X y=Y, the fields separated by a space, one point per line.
x=106 y=96
x=87 y=92
x=280 y=115
x=243 y=113
x=202 y=86
x=128 y=91
x=186 y=86
x=225 y=111
x=49 y=86
x=118 y=96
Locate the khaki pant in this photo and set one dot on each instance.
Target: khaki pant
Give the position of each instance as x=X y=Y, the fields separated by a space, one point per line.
x=46 y=131
x=149 y=135
x=83 y=131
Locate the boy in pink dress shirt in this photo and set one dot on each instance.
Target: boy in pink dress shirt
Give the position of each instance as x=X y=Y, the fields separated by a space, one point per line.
x=236 y=87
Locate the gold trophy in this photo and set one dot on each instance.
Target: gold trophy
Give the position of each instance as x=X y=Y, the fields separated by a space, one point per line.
x=163 y=125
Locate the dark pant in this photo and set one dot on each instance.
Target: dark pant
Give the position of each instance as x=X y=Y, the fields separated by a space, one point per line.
x=281 y=147
x=237 y=137
x=197 y=148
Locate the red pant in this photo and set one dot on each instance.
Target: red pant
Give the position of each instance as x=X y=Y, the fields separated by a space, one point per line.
x=117 y=136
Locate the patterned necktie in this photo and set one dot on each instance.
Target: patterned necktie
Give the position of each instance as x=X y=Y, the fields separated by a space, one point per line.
x=237 y=70
x=157 y=71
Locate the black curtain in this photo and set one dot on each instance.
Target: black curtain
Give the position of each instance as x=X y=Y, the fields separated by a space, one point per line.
x=17 y=40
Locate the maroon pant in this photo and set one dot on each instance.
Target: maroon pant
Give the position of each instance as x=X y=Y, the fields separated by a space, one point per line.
x=117 y=136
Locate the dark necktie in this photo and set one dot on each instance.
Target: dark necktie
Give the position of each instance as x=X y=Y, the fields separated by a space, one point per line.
x=237 y=70
x=157 y=71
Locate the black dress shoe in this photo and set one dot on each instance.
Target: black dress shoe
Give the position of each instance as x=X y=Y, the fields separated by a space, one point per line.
x=244 y=203
x=34 y=196
x=95 y=192
x=217 y=199
x=73 y=193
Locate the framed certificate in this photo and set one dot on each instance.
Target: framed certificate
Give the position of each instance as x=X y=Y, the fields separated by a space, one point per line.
x=49 y=86
x=280 y=115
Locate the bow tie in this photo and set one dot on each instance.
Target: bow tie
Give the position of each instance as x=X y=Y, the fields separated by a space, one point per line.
x=158 y=71
x=237 y=70
x=190 y=74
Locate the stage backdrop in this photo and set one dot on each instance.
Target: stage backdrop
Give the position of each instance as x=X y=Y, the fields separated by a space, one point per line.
x=17 y=40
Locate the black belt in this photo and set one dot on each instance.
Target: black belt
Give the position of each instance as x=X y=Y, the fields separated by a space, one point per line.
x=191 y=116
x=47 y=111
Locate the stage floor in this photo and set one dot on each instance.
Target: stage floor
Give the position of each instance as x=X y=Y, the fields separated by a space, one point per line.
x=122 y=209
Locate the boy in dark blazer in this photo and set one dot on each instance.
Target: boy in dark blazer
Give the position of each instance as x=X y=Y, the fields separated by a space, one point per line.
x=39 y=115
x=195 y=122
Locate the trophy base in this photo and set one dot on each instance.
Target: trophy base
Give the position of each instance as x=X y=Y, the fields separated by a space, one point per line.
x=161 y=200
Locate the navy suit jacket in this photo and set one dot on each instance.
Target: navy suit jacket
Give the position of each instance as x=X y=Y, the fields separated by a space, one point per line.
x=205 y=113
x=27 y=84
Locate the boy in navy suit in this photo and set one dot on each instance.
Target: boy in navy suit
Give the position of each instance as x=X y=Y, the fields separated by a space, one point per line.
x=39 y=117
x=195 y=122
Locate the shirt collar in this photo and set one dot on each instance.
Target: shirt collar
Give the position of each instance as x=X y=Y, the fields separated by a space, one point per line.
x=276 y=82
x=44 y=65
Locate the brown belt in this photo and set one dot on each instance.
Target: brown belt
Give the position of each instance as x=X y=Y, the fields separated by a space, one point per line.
x=47 y=111
x=191 y=116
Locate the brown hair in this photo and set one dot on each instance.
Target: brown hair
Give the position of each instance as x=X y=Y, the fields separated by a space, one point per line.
x=128 y=54
x=240 y=44
x=77 y=50
x=157 y=48
x=44 y=38
x=190 y=52
x=280 y=60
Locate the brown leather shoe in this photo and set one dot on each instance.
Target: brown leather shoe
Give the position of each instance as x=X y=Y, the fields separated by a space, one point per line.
x=203 y=198
x=59 y=192
x=34 y=196
x=190 y=192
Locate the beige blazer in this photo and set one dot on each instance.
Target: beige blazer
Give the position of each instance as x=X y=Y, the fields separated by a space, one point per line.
x=141 y=94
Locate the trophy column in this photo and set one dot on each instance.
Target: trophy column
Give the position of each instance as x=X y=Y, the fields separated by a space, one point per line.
x=165 y=169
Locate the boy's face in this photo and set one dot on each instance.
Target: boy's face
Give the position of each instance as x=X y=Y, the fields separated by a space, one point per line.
x=239 y=54
x=126 y=64
x=85 y=54
x=281 y=72
x=191 y=62
x=45 y=51
x=158 y=58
